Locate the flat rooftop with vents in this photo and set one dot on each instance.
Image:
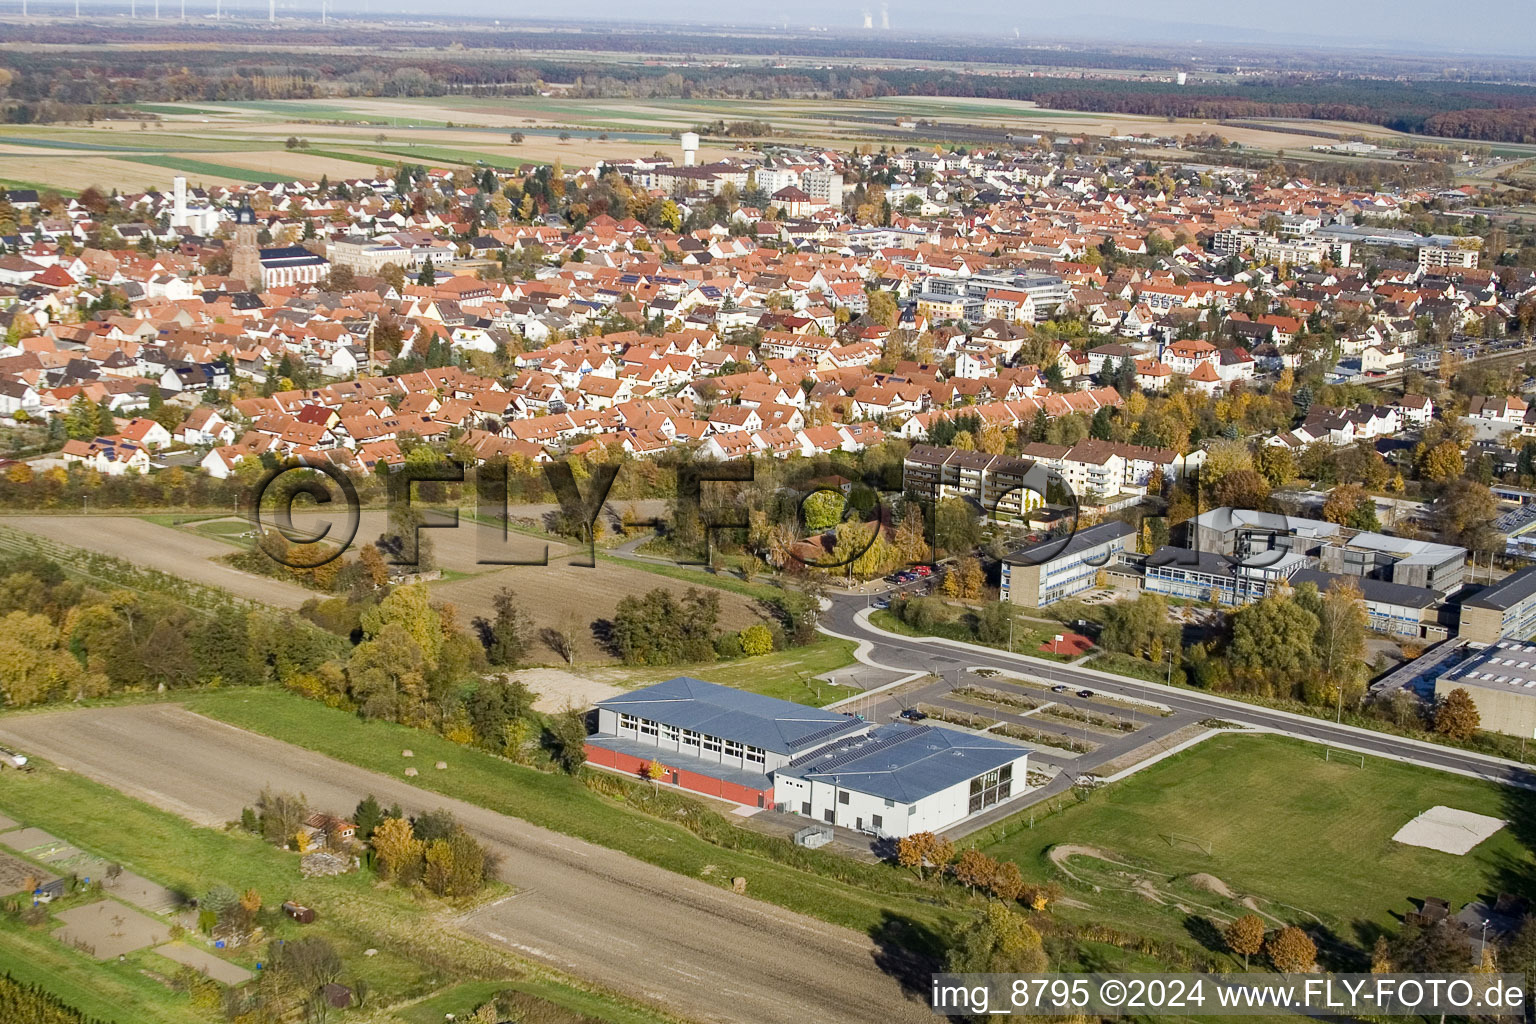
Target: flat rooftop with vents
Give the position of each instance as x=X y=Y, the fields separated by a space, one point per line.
x=1501 y=679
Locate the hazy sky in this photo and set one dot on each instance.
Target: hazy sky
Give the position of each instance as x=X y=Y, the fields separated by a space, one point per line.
x=1483 y=27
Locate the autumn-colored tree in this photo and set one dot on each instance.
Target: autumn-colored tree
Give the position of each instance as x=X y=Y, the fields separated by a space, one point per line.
x=1341 y=629
x=250 y=905
x=1241 y=488
x=1381 y=956
x=655 y=771
x=1245 y=936
x=973 y=580
x=1290 y=950
x=992 y=439
x=1441 y=463
x=1007 y=882
x=756 y=641
x=923 y=850
x=974 y=869
x=398 y=850
x=912 y=536
x=455 y=866
x=1456 y=715
x=950 y=587
x=1000 y=942
x=1275 y=464
x=883 y=309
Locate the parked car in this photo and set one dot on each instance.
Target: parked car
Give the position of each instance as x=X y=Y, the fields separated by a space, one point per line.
x=1085 y=693
x=1059 y=688
x=912 y=714
x=923 y=570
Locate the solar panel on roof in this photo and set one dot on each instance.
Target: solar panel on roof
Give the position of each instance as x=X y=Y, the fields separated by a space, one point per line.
x=820 y=734
x=865 y=749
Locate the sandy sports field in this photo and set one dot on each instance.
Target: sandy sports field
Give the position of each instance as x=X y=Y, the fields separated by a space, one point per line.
x=1448 y=830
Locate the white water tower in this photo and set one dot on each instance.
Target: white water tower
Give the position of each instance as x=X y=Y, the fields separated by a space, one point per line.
x=690 y=141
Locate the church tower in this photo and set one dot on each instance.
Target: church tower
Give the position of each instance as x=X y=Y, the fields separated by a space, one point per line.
x=245 y=261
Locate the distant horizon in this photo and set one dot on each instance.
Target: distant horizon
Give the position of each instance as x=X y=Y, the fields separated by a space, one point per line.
x=1201 y=24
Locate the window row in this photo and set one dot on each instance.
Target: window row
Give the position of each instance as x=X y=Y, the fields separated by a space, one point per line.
x=688 y=739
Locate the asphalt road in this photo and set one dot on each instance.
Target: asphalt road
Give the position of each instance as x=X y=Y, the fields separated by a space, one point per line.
x=904 y=655
x=690 y=947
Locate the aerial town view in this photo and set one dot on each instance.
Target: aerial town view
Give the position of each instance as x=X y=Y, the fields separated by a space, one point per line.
x=683 y=515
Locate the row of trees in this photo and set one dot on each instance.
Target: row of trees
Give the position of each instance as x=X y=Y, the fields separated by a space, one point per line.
x=63 y=640
x=923 y=852
x=1288 y=948
x=23 y=1001
x=1304 y=645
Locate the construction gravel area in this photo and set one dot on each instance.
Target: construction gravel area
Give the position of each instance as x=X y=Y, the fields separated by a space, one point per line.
x=701 y=951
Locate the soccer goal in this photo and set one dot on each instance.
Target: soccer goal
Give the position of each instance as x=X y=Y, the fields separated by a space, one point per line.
x=1346 y=756
x=1181 y=839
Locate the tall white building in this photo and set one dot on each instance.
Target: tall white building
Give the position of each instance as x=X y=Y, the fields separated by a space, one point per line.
x=200 y=218
x=823 y=186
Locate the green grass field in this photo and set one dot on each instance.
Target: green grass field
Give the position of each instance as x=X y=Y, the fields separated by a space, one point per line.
x=1028 y=634
x=789 y=674
x=1305 y=835
x=188 y=165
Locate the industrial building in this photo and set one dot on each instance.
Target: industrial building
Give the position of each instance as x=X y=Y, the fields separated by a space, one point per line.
x=1394 y=608
x=1058 y=568
x=889 y=780
x=1228 y=531
x=1413 y=563
x=1501 y=679
x=1503 y=610
x=1260 y=538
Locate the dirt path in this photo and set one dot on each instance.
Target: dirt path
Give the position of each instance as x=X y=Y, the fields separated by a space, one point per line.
x=699 y=951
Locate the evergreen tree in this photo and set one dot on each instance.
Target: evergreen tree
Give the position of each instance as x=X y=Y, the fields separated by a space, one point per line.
x=428 y=276
x=1039 y=425
x=105 y=423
